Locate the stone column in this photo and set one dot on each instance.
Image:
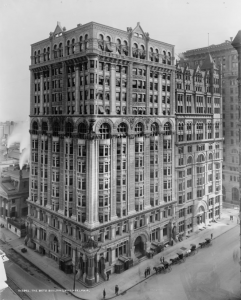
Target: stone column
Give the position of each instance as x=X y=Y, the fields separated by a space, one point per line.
x=147 y=171
x=41 y=92
x=160 y=169
x=61 y=173
x=131 y=174
x=64 y=88
x=39 y=166
x=160 y=94
x=91 y=182
x=129 y=88
x=113 y=165
x=173 y=166
x=75 y=150
x=50 y=90
x=77 y=90
x=32 y=83
x=147 y=90
x=90 y=276
x=49 y=193
x=172 y=93
x=112 y=90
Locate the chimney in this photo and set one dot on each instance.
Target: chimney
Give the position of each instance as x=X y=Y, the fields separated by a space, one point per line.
x=20 y=174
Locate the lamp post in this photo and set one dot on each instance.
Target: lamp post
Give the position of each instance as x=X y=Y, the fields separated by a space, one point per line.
x=75 y=268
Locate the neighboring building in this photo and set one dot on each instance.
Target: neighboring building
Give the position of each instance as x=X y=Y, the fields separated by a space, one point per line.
x=237 y=45
x=225 y=55
x=199 y=145
x=103 y=165
x=6 y=128
x=14 y=191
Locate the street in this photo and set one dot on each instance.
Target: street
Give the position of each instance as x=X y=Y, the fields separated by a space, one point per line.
x=211 y=274
x=29 y=278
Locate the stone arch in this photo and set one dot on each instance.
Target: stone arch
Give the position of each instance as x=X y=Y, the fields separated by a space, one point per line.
x=165 y=120
x=189 y=160
x=79 y=121
x=96 y=127
x=44 y=119
x=139 y=120
x=126 y=122
x=155 y=121
x=142 y=234
x=34 y=120
x=202 y=206
x=200 y=156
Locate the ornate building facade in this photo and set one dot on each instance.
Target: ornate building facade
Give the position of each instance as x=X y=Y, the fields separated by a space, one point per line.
x=225 y=55
x=199 y=145
x=103 y=152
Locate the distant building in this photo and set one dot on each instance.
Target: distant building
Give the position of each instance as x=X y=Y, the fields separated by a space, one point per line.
x=6 y=128
x=14 y=191
x=225 y=55
x=237 y=45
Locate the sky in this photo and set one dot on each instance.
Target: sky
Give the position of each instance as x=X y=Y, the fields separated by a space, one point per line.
x=183 y=23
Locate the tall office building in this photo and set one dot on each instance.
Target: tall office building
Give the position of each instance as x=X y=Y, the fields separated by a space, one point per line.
x=102 y=136
x=225 y=55
x=199 y=145
x=103 y=133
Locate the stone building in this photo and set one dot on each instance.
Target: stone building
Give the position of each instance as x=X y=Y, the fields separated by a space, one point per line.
x=237 y=45
x=199 y=145
x=14 y=191
x=103 y=133
x=225 y=55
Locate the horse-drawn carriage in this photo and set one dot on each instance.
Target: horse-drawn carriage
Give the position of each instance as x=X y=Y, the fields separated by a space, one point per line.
x=207 y=243
x=164 y=267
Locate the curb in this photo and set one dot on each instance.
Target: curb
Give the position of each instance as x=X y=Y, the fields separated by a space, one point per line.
x=120 y=294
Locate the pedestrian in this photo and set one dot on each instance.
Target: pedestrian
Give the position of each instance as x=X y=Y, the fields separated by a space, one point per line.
x=116 y=290
x=104 y=294
x=107 y=275
x=211 y=236
x=145 y=272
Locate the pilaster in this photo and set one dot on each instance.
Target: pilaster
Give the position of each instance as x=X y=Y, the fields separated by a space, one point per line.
x=113 y=176
x=41 y=92
x=77 y=90
x=147 y=171
x=49 y=193
x=160 y=94
x=61 y=172
x=112 y=90
x=131 y=174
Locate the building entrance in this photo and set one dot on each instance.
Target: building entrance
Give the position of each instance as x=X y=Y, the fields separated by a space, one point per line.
x=201 y=216
x=139 y=247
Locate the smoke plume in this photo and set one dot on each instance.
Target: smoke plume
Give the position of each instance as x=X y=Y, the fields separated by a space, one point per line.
x=20 y=135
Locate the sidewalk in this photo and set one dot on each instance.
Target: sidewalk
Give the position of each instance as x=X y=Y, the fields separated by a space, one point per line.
x=127 y=279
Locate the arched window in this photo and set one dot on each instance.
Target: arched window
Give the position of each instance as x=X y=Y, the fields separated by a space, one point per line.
x=68 y=129
x=39 y=56
x=61 y=50
x=73 y=46
x=56 y=128
x=167 y=128
x=180 y=126
x=122 y=130
x=189 y=126
x=235 y=194
x=44 y=54
x=80 y=43
x=135 y=50
x=157 y=55
x=189 y=160
x=35 y=128
x=154 y=129
x=210 y=156
x=164 y=57
x=108 y=39
x=86 y=41
x=82 y=130
x=44 y=128
x=68 y=47
x=101 y=37
x=48 y=55
x=105 y=131
x=200 y=158
x=118 y=41
x=86 y=37
x=139 y=130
